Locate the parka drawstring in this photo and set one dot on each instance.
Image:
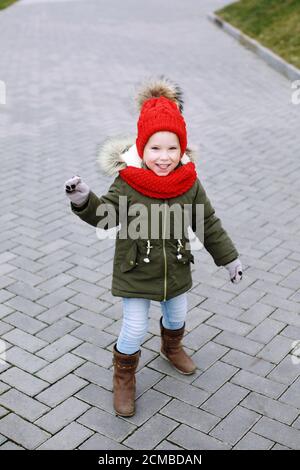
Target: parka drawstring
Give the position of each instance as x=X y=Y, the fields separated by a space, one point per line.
x=147 y=260
x=179 y=246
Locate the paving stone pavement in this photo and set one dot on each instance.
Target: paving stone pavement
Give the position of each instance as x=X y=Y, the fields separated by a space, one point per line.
x=70 y=68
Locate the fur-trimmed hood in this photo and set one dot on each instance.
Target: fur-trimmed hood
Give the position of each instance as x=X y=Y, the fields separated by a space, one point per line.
x=116 y=153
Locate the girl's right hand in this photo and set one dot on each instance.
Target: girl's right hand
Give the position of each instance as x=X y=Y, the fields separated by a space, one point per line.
x=76 y=190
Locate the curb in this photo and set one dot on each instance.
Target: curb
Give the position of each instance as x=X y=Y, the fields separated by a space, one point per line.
x=288 y=70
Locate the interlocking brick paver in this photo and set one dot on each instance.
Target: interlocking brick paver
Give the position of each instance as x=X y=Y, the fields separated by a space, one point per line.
x=22 y=432
x=151 y=433
x=68 y=438
x=28 y=408
x=62 y=415
x=23 y=381
x=58 y=318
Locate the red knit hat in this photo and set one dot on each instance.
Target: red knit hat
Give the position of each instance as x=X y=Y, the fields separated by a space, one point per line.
x=161 y=104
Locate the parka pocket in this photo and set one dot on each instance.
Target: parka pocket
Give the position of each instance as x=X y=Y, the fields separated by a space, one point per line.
x=187 y=257
x=130 y=259
x=183 y=255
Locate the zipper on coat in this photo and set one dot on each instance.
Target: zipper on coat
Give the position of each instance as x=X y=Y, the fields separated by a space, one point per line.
x=165 y=256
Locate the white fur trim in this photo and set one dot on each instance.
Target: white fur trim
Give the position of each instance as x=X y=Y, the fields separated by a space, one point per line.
x=185 y=159
x=131 y=157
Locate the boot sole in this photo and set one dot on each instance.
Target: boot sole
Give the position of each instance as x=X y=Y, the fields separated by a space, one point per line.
x=180 y=371
x=124 y=415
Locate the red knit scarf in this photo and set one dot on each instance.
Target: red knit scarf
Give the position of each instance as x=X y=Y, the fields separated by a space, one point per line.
x=174 y=184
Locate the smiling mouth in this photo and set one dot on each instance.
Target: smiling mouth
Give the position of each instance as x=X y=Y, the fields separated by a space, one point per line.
x=163 y=167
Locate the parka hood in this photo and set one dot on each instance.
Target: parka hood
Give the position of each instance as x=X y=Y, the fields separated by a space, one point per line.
x=116 y=153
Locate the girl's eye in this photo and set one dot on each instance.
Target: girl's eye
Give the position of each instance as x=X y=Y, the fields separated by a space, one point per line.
x=154 y=148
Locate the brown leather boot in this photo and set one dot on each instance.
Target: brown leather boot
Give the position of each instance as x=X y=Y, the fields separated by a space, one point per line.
x=172 y=350
x=125 y=366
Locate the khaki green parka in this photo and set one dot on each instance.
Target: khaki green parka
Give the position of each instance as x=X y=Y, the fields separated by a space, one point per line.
x=152 y=267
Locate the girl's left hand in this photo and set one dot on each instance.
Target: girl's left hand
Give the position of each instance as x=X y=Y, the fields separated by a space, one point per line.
x=235 y=270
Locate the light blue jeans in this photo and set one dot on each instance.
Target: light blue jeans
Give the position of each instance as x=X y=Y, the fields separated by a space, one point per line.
x=135 y=320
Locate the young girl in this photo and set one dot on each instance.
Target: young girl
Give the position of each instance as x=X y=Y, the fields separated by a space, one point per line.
x=152 y=175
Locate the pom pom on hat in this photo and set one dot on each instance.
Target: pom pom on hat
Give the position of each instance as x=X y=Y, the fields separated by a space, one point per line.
x=155 y=88
x=160 y=103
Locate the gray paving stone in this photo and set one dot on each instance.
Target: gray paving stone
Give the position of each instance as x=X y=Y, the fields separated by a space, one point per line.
x=3 y=411
x=24 y=360
x=90 y=318
x=59 y=368
x=166 y=445
x=256 y=383
x=290 y=318
x=292 y=395
x=248 y=298
x=89 y=303
x=224 y=400
x=97 y=396
x=3 y=387
x=235 y=425
x=93 y=353
x=4 y=328
x=68 y=438
x=18 y=402
x=22 y=432
x=256 y=314
x=247 y=362
x=229 y=324
x=278 y=432
x=221 y=308
x=25 y=290
x=208 y=355
x=99 y=442
x=214 y=377
x=236 y=341
x=111 y=426
x=280 y=447
x=57 y=329
x=190 y=415
x=62 y=415
x=191 y=439
x=57 y=312
x=25 y=306
x=184 y=392
x=270 y=408
x=286 y=371
x=151 y=433
x=91 y=335
x=24 y=340
x=95 y=374
x=252 y=441
x=276 y=350
x=9 y=445
x=146 y=379
x=147 y=405
x=199 y=336
x=266 y=331
x=61 y=390
x=59 y=347
x=277 y=301
x=25 y=323
x=23 y=381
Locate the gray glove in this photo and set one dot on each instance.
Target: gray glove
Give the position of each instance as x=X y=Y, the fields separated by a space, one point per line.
x=76 y=190
x=235 y=270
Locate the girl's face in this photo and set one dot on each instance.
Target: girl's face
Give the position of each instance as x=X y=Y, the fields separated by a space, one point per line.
x=162 y=153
